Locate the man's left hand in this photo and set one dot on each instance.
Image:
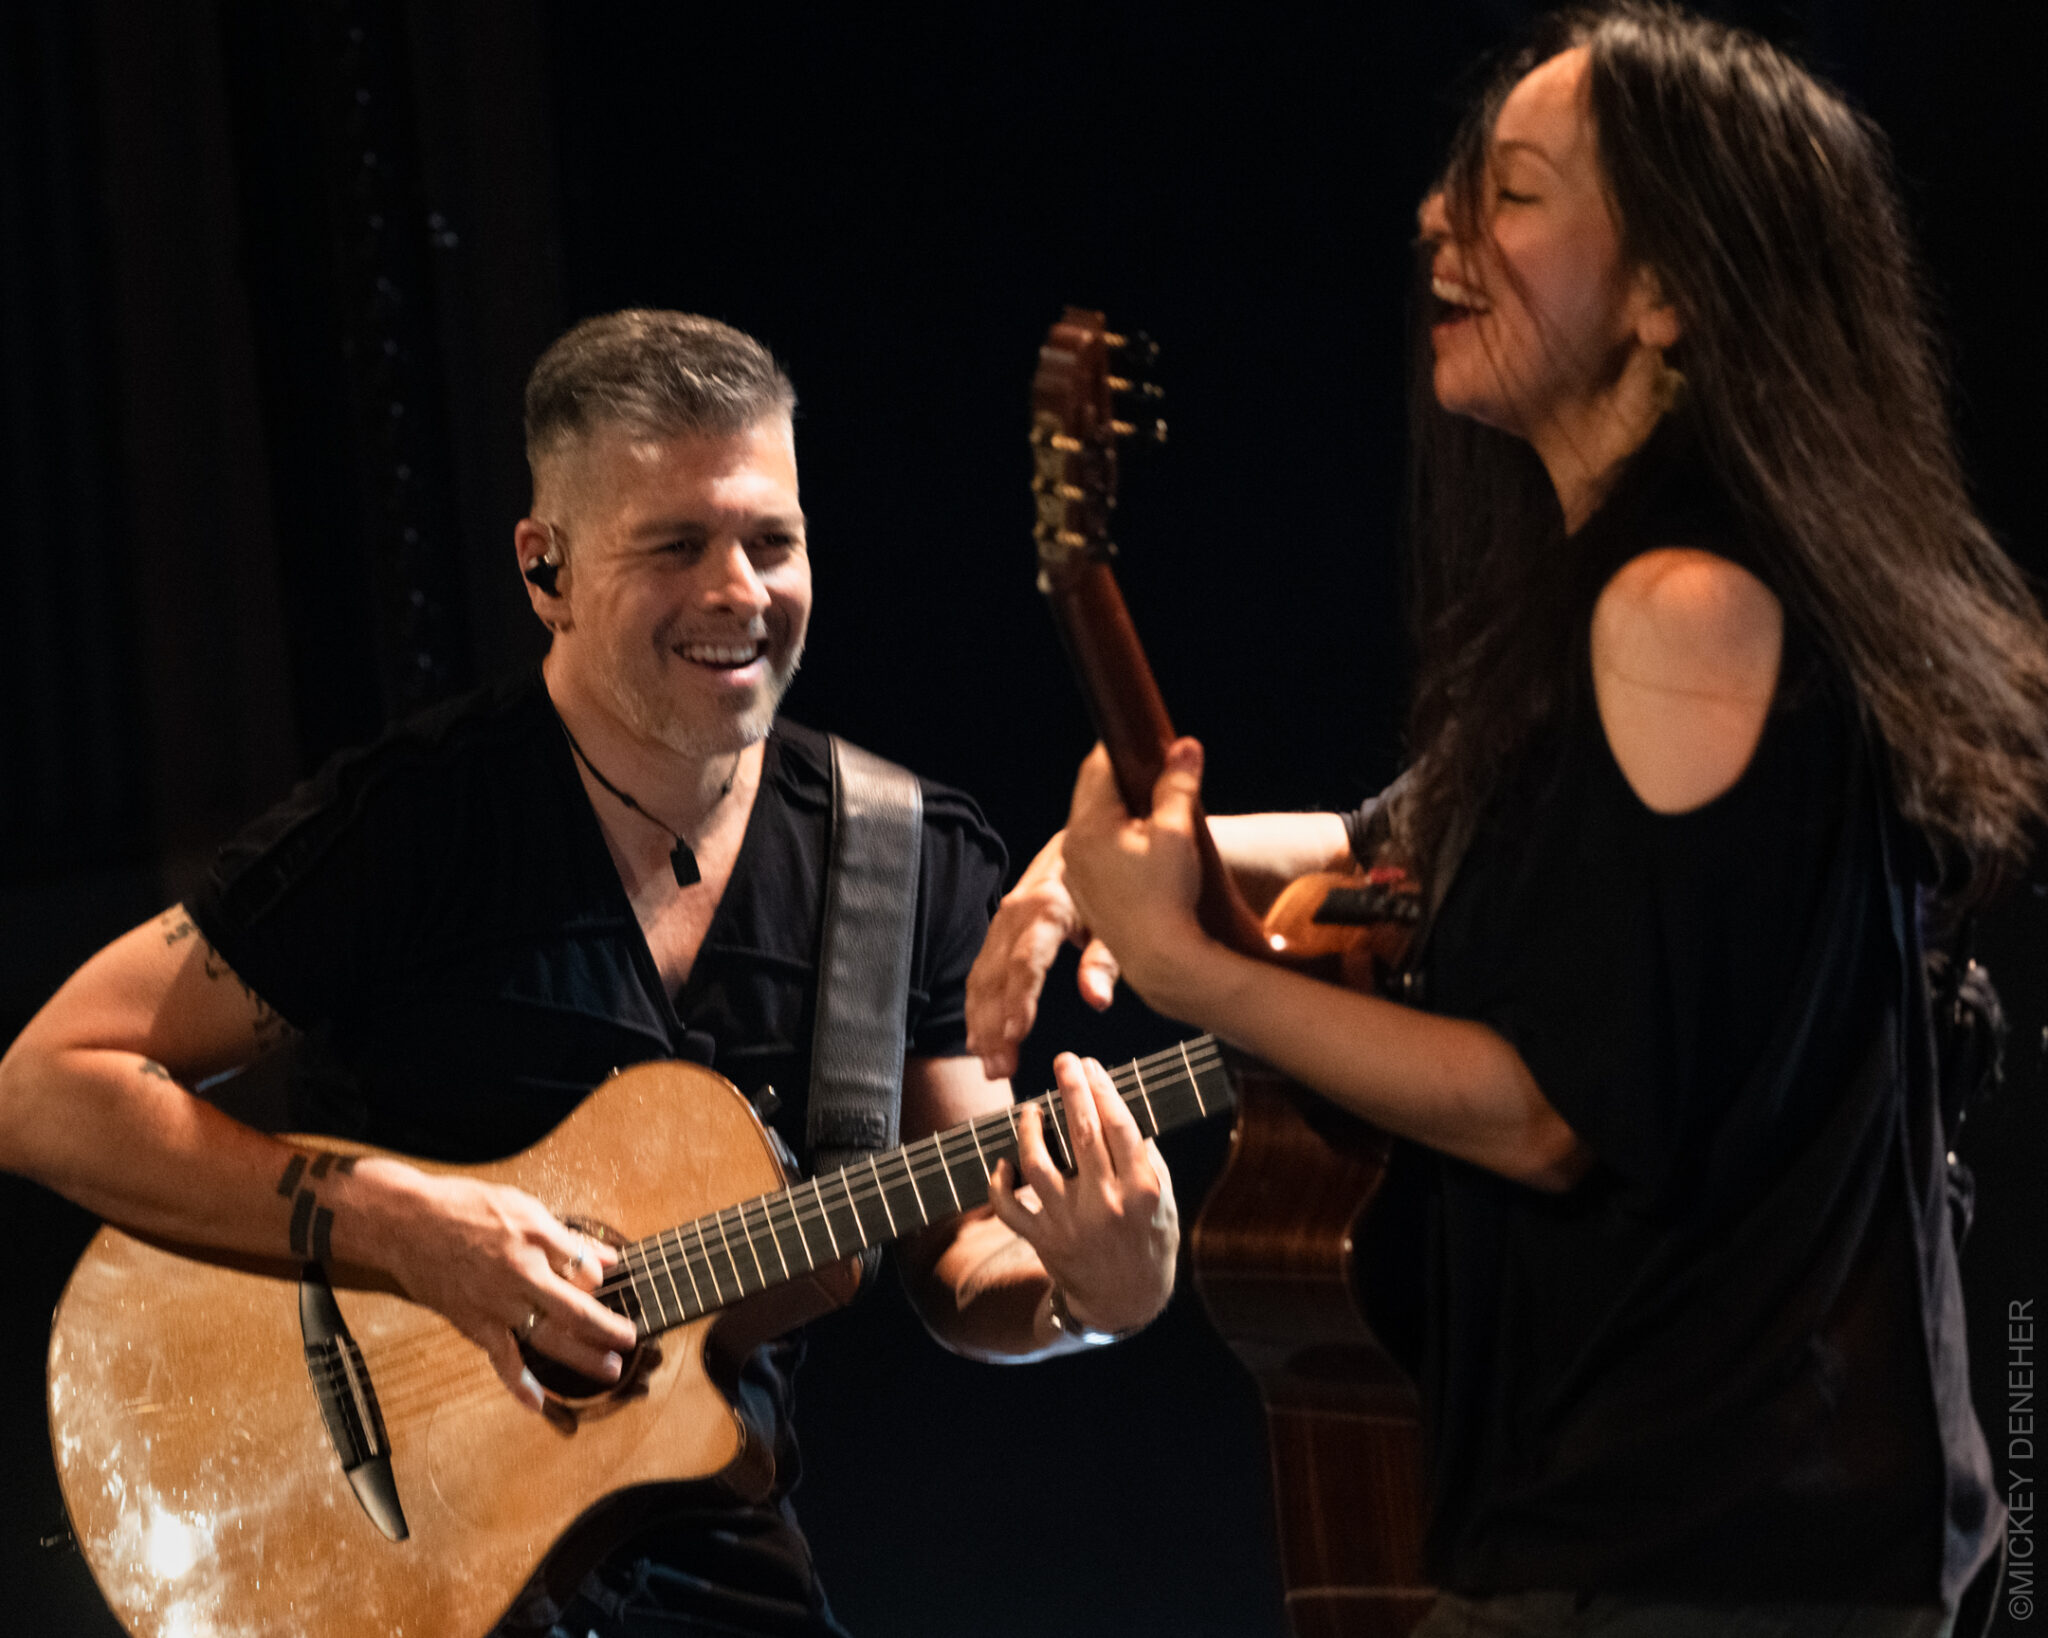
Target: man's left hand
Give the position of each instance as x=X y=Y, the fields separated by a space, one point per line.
x=1108 y=1233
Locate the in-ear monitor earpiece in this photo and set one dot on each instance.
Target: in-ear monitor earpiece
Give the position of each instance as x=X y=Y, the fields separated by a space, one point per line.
x=541 y=572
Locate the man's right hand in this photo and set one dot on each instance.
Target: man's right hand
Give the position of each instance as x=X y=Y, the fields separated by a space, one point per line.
x=495 y=1262
x=94 y=1104
x=1035 y=918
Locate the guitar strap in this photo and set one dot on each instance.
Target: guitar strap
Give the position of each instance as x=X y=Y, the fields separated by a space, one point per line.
x=857 y=1040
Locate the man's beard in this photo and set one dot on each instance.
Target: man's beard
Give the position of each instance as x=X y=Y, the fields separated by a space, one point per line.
x=699 y=738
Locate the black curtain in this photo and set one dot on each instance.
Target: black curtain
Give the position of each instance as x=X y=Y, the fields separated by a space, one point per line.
x=72 y=778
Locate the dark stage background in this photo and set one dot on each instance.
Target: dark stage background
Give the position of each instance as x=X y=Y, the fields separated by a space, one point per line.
x=272 y=276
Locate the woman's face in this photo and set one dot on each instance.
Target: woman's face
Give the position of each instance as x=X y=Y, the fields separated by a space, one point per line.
x=1538 y=316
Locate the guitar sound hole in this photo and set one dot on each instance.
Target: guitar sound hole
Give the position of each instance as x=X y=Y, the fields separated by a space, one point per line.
x=570 y=1388
x=578 y=1391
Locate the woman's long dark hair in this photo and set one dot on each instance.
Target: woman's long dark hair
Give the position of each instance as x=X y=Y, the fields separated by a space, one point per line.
x=1767 y=207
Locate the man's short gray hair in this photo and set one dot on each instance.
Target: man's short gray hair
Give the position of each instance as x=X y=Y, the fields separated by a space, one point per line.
x=654 y=374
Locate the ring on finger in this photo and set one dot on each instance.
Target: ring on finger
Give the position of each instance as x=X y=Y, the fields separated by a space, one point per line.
x=575 y=1264
x=530 y=1324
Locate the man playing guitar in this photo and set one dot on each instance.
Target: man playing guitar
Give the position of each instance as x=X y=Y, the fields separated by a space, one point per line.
x=474 y=921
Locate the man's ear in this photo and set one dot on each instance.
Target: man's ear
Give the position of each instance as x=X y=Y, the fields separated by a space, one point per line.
x=544 y=569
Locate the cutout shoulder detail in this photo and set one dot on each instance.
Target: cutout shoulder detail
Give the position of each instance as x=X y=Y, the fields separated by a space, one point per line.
x=1685 y=653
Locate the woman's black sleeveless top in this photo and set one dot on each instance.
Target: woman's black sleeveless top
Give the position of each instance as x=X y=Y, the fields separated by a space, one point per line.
x=1728 y=1364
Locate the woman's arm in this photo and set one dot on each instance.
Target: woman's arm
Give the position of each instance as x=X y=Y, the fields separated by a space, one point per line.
x=1263 y=851
x=1455 y=1085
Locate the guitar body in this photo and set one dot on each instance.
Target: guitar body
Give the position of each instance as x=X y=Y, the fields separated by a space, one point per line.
x=1276 y=1253
x=203 y=1485
x=1273 y=1253
x=1278 y=1245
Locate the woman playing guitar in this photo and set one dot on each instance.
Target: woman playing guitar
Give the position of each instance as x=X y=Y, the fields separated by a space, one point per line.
x=1722 y=684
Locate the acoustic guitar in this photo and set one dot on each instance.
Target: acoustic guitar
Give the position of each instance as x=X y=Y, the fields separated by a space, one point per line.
x=1278 y=1246
x=250 y=1448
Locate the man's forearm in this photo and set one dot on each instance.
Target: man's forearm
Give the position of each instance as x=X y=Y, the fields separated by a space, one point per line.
x=114 y=1132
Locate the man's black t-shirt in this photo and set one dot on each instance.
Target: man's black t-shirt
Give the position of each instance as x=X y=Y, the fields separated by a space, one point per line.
x=441 y=917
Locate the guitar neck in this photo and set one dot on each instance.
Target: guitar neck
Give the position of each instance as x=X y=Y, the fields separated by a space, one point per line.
x=1131 y=720
x=1074 y=428
x=700 y=1267
x=1115 y=678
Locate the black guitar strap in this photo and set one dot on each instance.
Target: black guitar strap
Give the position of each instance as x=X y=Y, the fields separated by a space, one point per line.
x=857 y=1040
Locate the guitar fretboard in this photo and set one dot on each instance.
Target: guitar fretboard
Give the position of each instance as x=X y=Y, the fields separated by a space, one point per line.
x=699 y=1267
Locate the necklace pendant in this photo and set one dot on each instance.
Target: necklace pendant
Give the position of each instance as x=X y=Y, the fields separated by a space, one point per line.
x=684 y=863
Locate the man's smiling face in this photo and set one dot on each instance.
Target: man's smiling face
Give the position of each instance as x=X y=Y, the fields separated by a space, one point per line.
x=686 y=587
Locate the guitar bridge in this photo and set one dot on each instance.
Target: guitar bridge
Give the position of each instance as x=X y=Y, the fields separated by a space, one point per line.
x=348 y=1403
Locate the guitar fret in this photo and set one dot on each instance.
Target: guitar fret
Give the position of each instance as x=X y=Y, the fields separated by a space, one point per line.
x=661 y=1303
x=669 y=1273
x=959 y=1158
x=753 y=1232
x=624 y=1300
x=882 y=1191
x=917 y=1194
x=775 y=1237
x=826 y=1216
x=710 y=1268
x=753 y=1250
x=739 y=1284
x=690 y=1262
x=939 y=1149
x=861 y=1236
x=974 y=1131
x=796 y=1216
x=640 y=1298
x=1152 y=1115
x=900 y=1177
x=1194 y=1081
x=1052 y=1118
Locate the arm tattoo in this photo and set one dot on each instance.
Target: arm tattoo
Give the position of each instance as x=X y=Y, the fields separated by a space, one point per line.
x=312 y=1224
x=267 y=1025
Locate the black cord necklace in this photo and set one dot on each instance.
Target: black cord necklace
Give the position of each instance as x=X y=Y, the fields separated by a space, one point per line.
x=681 y=859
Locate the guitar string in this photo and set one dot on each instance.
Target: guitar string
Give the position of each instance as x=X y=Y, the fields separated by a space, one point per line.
x=1184 y=1063
x=937 y=1158
x=1200 y=1056
x=387 y=1363
x=943 y=1157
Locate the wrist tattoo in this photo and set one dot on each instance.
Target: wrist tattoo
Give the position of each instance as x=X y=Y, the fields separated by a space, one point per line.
x=156 y=1071
x=312 y=1224
x=177 y=927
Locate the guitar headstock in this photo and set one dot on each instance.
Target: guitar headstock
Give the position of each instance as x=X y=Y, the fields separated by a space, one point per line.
x=1092 y=389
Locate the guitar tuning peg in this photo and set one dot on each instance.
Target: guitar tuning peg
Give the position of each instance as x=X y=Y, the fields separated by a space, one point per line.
x=1137 y=352
x=1148 y=430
